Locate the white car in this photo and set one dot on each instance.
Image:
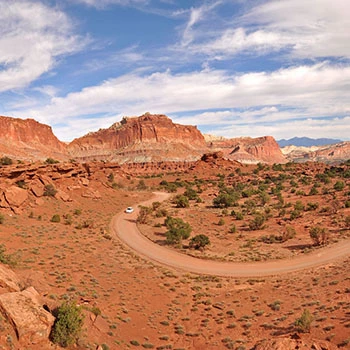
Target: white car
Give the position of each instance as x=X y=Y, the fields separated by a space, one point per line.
x=129 y=210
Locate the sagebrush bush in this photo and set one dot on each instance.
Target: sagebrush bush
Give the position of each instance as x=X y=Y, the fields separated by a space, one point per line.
x=68 y=324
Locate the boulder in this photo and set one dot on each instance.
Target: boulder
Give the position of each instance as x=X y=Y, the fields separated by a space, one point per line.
x=63 y=196
x=37 y=189
x=15 y=196
x=31 y=322
x=9 y=280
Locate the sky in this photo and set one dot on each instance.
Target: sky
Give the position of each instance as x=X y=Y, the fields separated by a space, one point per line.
x=231 y=67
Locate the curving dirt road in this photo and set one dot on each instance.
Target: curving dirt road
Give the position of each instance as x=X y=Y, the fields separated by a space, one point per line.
x=126 y=229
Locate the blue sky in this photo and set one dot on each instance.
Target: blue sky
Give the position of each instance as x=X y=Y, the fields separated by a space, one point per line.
x=232 y=67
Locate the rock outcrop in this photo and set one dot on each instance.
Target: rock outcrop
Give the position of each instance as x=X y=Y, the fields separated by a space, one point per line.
x=29 y=139
x=248 y=150
x=148 y=138
x=328 y=154
x=294 y=343
x=31 y=322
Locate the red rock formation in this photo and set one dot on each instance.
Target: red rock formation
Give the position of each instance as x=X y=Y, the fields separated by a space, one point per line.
x=249 y=150
x=328 y=154
x=29 y=139
x=141 y=139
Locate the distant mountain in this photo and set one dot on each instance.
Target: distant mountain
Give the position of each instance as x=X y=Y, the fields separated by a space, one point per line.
x=307 y=142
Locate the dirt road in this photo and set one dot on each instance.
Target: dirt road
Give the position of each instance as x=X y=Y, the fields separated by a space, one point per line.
x=126 y=229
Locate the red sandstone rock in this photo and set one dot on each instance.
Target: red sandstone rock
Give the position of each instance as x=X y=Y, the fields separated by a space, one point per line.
x=294 y=344
x=249 y=150
x=31 y=322
x=29 y=139
x=9 y=280
x=143 y=139
x=15 y=196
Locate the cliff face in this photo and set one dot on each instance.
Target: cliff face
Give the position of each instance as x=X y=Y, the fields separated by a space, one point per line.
x=29 y=139
x=328 y=154
x=249 y=150
x=143 y=139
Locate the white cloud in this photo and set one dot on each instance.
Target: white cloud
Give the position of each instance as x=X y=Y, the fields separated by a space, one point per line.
x=100 y=4
x=315 y=128
x=32 y=37
x=315 y=91
x=306 y=29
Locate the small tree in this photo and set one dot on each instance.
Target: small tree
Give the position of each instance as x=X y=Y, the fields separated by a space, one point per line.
x=144 y=213
x=257 y=223
x=339 y=186
x=319 y=235
x=2 y=219
x=68 y=324
x=181 y=201
x=303 y=323
x=177 y=230
x=199 y=241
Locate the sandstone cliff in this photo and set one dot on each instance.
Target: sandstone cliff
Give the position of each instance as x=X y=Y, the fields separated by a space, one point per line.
x=29 y=139
x=248 y=150
x=328 y=154
x=143 y=139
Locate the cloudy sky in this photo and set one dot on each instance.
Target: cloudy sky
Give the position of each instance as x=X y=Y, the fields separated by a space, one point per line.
x=231 y=67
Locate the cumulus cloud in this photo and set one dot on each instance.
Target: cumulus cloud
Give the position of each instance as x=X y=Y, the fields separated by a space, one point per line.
x=32 y=37
x=305 y=29
x=100 y=4
x=321 y=89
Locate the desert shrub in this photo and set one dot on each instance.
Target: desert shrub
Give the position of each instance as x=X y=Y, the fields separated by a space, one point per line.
x=221 y=222
x=68 y=324
x=299 y=206
x=238 y=214
x=319 y=235
x=68 y=219
x=56 y=218
x=303 y=323
x=347 y=221
x=339 y=186
x=190 y=193
x=2 y=219
x=257 y=222
x=141 y=185
x=313 y=191
x=347 y=204
x=6 y=161
x=233 y=229
x=77 y=212
x=271 y=239
x=181 y=201
x=295 y=214
x=224 y=200
x=199 y=241
x=51 y=161
x=161 y=213
x=155 y=205
x=177 y=230
x=49 y=190
x=21 y=184
x=144 y=213
x=264 y=198
x=311 y=206
x=288 y=233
